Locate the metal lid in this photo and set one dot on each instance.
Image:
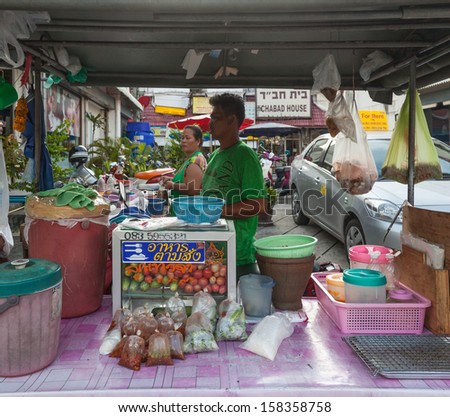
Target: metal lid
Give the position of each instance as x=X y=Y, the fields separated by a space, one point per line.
x=364 y=277
x=21 y=278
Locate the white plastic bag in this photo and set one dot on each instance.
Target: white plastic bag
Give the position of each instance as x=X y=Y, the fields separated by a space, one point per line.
x=339 y=118
x=268 y=334
x=327 y=79
x=353 y=163
x=5 y=230
x=205 y=303
x=372 y=62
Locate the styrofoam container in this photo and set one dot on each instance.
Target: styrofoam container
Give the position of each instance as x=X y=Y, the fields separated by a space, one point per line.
x=30 y=315
x=364 y=286
x=366 y=318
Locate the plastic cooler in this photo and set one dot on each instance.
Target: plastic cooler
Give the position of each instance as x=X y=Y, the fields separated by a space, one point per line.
x=388 y=318
x=30 y=315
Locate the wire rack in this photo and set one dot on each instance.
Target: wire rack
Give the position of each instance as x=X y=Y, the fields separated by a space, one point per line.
x=404 y=356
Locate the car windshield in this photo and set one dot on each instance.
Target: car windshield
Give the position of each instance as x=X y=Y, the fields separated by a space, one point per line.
x=379 y=149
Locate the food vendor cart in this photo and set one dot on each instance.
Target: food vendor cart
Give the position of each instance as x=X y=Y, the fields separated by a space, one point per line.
x=155 y=258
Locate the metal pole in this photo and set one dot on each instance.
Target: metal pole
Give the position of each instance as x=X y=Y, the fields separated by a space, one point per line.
x=37 y=123
x=411 y=131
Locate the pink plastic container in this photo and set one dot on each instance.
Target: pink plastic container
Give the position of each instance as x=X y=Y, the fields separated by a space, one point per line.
x=398 y=318
x=360 y=255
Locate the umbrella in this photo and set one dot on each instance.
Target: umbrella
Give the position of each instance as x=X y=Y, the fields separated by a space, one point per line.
x=202 y=121
x=269 y=130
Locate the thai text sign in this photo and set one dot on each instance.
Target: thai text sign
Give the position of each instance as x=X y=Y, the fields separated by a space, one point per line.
x=374 y=120
x=175 y=252
x=283 y=102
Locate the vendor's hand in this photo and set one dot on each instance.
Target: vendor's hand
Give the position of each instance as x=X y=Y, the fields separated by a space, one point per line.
x=169 y=185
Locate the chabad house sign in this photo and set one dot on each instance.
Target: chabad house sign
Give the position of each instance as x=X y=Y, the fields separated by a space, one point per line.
x=283 y=102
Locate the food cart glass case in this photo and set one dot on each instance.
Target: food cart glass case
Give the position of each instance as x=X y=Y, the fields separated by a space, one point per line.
x=151 y=266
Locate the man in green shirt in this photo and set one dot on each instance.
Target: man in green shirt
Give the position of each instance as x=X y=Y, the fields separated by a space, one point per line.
x=234 y=173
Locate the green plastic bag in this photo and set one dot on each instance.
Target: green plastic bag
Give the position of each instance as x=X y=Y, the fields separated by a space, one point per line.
x=426 y=161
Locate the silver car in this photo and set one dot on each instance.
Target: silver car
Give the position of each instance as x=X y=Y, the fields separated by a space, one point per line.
x=360 y=219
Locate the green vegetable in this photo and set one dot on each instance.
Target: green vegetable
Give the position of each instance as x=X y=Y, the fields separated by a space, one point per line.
x=173 y=286
x=144 y=286
x=125 y=284
x=134 y=285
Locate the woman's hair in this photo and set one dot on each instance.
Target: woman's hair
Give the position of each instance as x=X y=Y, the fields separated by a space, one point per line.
x=231 y=104
x=198 y=133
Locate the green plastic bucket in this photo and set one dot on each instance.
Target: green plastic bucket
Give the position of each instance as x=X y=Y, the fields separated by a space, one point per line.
x=286 y=246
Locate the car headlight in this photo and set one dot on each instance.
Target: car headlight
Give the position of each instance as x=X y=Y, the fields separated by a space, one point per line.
x=383 y=210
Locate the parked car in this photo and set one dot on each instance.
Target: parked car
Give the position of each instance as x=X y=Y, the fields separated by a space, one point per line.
x=360 y=219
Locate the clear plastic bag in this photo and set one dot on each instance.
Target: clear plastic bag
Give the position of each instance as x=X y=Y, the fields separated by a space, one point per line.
x=205 y=303
x=132 y=353
x=199 y=334
x=146 y=326
x=129 y=325
x=268 y=334
x=426 y=161
x=117 y=351
x=176 y=344
x=5 y=230
x=159 y=350
x=231 y=324
x=327 y=79
x=339 y=118
x=177 y=310
x=165 y=323
x=353 y=163
x=372 y=62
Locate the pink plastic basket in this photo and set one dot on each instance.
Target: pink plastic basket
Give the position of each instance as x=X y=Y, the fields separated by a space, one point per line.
x=398 y=318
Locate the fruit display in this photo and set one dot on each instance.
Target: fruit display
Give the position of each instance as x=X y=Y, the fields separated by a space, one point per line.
x=184 y=278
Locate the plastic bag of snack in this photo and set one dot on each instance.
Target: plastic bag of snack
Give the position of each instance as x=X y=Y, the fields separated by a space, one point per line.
x=146 y=326
x=231 y=324
x=117 y=351
x=353 y=164
x=117 y=319
x=142 y=311
x=110 y=341
x=165 y=323
x=268 y=334
x=327 y=79
x=129 y=325
x=199 y=334
x=177 y=310
x=176 y=344
x=204 y=302
x=132 y=353
x=158 y=352
x=339 y=118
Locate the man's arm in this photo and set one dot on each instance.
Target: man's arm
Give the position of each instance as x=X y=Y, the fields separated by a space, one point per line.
x=242 y=209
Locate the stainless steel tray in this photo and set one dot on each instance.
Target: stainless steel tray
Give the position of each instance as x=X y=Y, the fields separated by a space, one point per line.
x=404 y=356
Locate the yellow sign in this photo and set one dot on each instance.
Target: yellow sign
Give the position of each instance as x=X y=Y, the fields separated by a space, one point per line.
x=200 y=105
x=176 y=111
x=374 y=120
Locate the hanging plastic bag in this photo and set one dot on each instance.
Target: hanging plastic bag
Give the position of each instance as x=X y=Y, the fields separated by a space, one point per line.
x=327 y=79
x=7 y=40
x=353 y=163
x=5 y=230
x=426 y=161
x=339 y=118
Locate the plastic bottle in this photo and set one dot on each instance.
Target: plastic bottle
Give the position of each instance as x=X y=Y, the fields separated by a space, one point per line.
x=391 y=272
x=101 y=185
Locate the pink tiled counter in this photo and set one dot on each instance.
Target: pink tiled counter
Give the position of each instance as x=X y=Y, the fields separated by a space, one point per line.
x=314 y=361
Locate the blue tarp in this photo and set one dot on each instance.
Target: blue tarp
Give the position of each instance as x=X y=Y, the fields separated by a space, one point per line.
x=46 y=177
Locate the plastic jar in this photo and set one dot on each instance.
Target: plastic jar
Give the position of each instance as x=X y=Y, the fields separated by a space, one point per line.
x=364 y=286
x=400 y=296
x=335 y=286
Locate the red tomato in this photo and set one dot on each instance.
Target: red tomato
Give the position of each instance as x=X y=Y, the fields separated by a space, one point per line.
x=222 y=289
x=197 y=288
x=189 y=288
x=178 y=273
x=215 y=288
x=223 y=271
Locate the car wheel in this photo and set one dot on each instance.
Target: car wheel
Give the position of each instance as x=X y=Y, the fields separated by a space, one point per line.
x=354 y=234
x=297 y=213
